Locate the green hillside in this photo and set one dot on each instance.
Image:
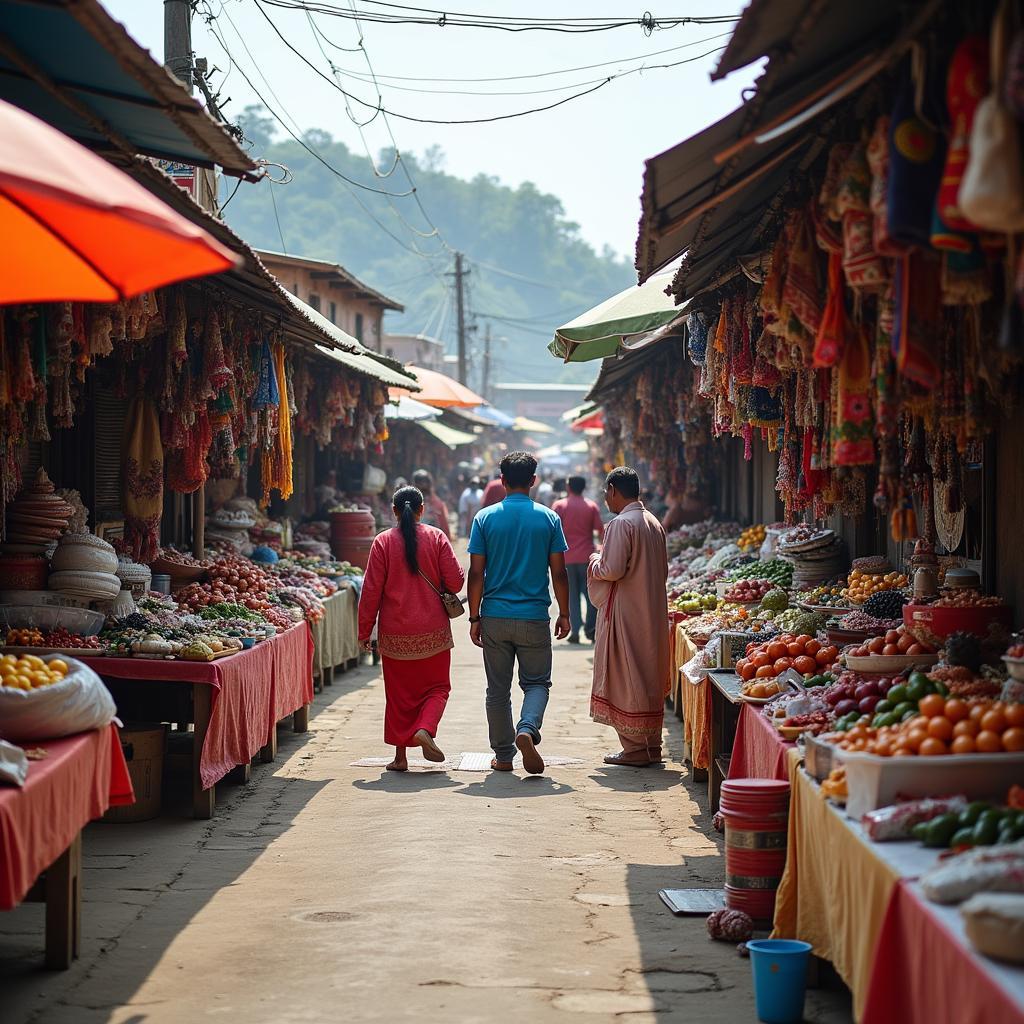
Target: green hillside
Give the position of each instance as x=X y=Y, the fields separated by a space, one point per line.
x=530 y=268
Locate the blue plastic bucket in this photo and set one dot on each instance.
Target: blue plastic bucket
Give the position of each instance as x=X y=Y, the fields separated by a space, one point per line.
x=780 y=979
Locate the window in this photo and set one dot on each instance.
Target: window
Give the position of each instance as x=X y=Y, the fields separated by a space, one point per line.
x=359 y=326
x=334 y=312
x=314 y=301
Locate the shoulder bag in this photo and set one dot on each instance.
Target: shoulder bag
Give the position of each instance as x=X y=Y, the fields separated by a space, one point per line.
x=451 y=603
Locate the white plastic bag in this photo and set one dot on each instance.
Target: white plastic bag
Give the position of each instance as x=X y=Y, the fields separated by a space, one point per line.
x=78 y=703
x=13 y=764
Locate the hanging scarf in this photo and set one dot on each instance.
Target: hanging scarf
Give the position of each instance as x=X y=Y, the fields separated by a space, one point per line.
x=143 y=476
x=267 y=392
x=918 y=323
x=697 y=330
x=276 y=462
x=852 y=426
x=831 y=337
x=878 y=162
x=801 y=293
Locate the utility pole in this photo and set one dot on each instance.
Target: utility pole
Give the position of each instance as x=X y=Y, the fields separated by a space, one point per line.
x=178 y=40
x=485 y=377
x=459 y=275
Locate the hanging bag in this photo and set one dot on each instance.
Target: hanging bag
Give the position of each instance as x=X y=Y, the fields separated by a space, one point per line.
x=451 y=603
x=992 y=191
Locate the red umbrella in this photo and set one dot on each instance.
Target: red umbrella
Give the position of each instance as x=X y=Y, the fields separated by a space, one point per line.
x=440 y=391
x=76 y=229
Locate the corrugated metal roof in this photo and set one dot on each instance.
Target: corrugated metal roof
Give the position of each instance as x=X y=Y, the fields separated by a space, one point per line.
x=327 y=266
x=115 y=88
x=369 y=367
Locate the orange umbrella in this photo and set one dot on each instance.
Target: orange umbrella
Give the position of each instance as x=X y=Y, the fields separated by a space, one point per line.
x=440 y=391
x=76 y=229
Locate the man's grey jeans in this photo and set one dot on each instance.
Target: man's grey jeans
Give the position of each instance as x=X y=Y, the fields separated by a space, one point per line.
x=507 y=641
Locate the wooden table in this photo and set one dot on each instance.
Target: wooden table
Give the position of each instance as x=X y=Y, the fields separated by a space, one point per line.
x=41 y=830
x=233 y=703
x=725 y=712
x=335 y=637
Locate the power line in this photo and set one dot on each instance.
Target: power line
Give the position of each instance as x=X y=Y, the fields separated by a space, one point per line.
x=378 y=106
x=277 y=219
x=506 y=23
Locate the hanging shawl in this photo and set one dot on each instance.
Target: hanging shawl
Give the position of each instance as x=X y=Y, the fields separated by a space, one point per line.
x=143 y=476
x=918 y=318
x=267 y=392
x=697 y=330
x=831 y=337
x=916 y=153
x=801 y=293
x=276 y=462
x=770 y=297
x=852 y=426
x=878 y=161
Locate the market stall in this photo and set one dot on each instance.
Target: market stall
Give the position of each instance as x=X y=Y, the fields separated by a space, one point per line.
x=72 y=782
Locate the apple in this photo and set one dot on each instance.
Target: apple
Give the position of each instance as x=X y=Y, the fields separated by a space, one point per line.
x=867 y=704
x=844 y=707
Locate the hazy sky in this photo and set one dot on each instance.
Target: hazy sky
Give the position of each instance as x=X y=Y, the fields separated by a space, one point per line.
x=589 y=152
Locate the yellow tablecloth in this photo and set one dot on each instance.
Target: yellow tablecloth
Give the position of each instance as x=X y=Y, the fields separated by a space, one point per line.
x=834 y=891
x=336 y=635
x=696 y=717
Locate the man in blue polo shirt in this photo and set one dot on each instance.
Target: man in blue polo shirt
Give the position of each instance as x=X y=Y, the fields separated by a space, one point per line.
x=513 y=547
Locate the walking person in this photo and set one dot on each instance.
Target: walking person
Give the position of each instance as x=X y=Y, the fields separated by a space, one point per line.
x=408 y=565
x=631 y=659
x=435 y=511
x=581 y=520
x=514 y=546
x=470 y=502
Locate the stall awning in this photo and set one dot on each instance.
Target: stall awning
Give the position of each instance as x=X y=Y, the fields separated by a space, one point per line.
x=532 y=426
x=615 y=372
x=446 y=435
x=367 y=366
x=406 y=408
x=74 y=49
x=712 y=196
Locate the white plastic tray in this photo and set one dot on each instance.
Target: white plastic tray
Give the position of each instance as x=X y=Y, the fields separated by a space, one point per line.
x=874 y=781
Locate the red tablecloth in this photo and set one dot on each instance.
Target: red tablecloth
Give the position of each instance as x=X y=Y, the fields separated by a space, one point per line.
x=248 y=689
x=924 y=972
x=80 y=778
x=759 y=751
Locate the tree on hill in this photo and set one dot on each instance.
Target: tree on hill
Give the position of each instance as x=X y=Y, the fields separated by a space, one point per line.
x=530 y=269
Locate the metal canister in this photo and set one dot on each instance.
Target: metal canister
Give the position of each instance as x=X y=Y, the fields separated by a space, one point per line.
x=161 y=583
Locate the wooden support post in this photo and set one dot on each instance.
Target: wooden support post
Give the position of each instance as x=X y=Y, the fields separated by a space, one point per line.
x=64 y=907
x=269 y=749
x=300 y=719
x=240 y=774
x=203 y=800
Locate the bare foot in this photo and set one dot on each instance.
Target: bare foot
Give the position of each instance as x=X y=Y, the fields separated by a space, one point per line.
x=500 y=766
x=431 y=751
x=532 y=761
x=398 y=766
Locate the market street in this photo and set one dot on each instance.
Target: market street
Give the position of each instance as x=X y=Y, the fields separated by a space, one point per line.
x=323 y=892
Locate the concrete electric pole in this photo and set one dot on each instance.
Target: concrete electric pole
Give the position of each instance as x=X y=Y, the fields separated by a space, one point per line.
x=460 y=303
x=485 y=376
x=178 y=40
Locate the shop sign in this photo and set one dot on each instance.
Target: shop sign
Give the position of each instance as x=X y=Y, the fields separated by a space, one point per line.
x=184 y=175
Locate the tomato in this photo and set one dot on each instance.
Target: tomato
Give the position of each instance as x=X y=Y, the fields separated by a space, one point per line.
x=963 y=745
x=803 y=639
x=805 y=664
x=931 y=747
x=764 y=672
x=1013 y=739
x=956 y=709
x=760 y=660
x=795 y=649
x=988 y=742
x=776 y=650
x=993 y=720
x=1015 y=715
x=782 y=664
x=826 y=655
x=978 y=711
x=966 y=727
x=940 y=728
x=915 y=738
x=932 y=705
x=812 y=647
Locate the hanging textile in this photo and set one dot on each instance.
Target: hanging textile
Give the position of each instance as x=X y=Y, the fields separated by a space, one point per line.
x=801 y=294
x=143 y=477
x=276 y=462
x=918 y=323
x=852 y=426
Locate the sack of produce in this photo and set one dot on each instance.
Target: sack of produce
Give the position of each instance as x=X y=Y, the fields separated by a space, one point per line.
x=994 y=923
x=988 y=869
x=46 y=698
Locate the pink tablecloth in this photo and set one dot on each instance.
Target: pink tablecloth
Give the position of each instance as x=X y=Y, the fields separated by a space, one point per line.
x=925 y=973
x=249 y=688
x=758 y=752
x=78 y=780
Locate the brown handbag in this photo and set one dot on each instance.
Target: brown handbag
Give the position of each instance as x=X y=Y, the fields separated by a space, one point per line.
x=452 y=603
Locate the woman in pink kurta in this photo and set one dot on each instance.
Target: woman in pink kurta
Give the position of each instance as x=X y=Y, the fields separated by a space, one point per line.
x=631 y=658
x=414 y=633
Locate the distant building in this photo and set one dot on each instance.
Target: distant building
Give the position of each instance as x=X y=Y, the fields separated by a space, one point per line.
x=339 y=295
x=417 y=349
x=544 y=402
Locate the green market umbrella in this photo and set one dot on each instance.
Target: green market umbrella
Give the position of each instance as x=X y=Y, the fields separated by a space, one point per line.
x=624 y=320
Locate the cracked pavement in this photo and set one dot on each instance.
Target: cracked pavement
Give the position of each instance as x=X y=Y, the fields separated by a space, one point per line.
x=324 y=892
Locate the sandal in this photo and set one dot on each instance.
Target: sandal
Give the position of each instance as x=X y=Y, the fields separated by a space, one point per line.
x=431 y=751
x=631 y=760
x=500 y=766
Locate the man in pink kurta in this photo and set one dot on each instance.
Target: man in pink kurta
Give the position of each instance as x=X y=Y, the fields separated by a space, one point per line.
x=631 y=659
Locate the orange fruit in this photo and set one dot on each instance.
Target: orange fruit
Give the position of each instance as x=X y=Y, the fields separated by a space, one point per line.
x=977 y=710
x=58 y=665
x=994 y=720
x=776 y=650
x=956 y=709
x=1013 y=739
x=915 y=738
x=931 y=747
x=963 y=745
x=940 y=728
x=988 y=742
x=966 y=727
x=748 y=670
x=764 y=672
x=932 y=705
x=1015 y=714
